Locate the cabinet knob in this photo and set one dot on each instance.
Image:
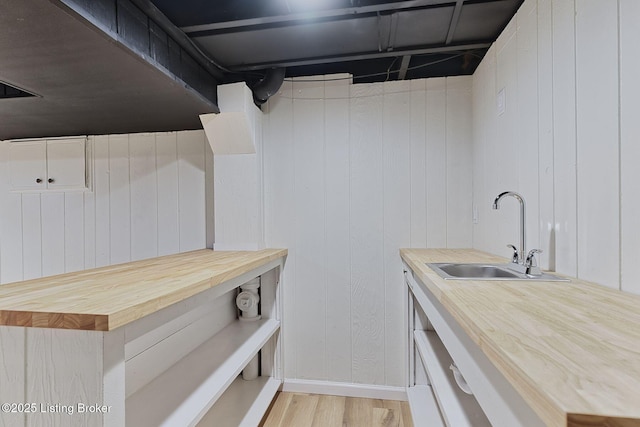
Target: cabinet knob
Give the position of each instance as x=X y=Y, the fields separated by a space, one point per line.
x=38 y=180
x=50 y=180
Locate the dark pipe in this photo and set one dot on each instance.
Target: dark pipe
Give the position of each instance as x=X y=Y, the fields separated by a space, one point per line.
x=268 y=85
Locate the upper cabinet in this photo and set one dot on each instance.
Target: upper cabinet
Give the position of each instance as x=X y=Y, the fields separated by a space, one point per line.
x=48 y=165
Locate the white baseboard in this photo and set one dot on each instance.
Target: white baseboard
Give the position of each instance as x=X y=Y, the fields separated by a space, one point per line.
x=368 y=391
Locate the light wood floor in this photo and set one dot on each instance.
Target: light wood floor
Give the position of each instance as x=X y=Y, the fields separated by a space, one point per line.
x=313 y=410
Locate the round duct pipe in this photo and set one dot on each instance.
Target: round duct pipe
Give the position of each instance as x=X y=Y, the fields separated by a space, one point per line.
x=268 y=85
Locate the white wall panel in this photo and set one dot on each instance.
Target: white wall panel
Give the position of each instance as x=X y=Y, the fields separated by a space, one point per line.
x=309 y=208
x=52 y=220
x=418 y=159
x=167 y=184
x=11 y=247
x=191 y=205
x=396 y=145
x=126 y=215
x=484 y=136
x=119 y=199
x=597 y=115
x=144 y=196
x=436 y=162
x=337 y=220
x=629 y=147
x=577 y=113
x=459 y=159
x=527 y=117
x=279 y=207
x=367 y=231
x=564 y=136
x=73 y=253
x=31 y=236
x=545 y=224
x=101 y=190
x=353 y=173
x=504 y=149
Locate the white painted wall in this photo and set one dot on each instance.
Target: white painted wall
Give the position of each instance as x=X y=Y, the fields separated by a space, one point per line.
x=567 y=140
x=148 y=200
x=352 y=173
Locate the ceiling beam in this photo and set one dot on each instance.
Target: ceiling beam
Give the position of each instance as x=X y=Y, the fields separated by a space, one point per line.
x=303 y=18
x=404 y=67
x=454 y=20
x=360 y=56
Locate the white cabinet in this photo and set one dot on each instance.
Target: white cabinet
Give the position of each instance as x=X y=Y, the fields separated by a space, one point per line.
x=436 y=342
x=44 y=165
x=190 y=377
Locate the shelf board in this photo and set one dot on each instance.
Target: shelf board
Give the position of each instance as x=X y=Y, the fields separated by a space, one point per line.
x=424 y=407
x=458 y=408
x=187 y=390
x=243 y=404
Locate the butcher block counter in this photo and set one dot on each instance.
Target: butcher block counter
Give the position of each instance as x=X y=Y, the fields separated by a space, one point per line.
x=570 y=349
x=106 y=298
x=147 y=343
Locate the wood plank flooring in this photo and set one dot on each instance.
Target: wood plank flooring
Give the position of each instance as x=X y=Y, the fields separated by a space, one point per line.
x=314 y=410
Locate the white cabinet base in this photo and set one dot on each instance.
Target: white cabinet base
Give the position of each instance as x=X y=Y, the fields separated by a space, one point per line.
x=243 y=404
x=187 y=390
x=424 y=408
x=500 y=402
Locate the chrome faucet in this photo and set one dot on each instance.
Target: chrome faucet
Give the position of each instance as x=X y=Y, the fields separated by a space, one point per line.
x=518 y=255
x=531 y=267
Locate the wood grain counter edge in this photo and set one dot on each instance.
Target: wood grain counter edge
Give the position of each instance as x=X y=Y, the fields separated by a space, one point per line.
x=235 y=264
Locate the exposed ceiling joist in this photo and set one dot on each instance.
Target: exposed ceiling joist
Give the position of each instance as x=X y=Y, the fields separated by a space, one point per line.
x=454 y=21
x=362 y=56
x=404 y=66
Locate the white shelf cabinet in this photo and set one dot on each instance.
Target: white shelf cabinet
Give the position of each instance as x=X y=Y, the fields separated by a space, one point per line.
x=48 y=165
x=243 y=404
x=174 y=366
x=192 y=385
x=436 y=340
x=456 y=407
x=203 y=383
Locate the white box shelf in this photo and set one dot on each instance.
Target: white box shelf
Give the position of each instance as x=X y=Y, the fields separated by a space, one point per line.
x=243 y=404
x=186 y=391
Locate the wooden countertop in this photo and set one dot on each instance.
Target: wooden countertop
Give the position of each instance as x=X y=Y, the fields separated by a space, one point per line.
x=571 y=349
x=106 y=298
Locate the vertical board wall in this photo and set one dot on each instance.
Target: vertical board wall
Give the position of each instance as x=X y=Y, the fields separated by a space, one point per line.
x=567 y=140
x=352 y=174
x=148 y=200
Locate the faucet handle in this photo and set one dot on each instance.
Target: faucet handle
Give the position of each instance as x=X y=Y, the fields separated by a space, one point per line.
x=515 y=258
x=531 y=267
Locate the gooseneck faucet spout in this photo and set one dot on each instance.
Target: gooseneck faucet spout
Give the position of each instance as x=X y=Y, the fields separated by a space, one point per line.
x=496 y=205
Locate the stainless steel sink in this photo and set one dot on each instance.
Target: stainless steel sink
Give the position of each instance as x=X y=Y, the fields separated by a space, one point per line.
x=470 y=271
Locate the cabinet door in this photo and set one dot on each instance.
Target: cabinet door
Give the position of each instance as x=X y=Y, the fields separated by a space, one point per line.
x=28 y=165
x=66 y=164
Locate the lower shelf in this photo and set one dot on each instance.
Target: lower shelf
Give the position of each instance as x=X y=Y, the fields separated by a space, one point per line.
x=458 y=408
x=184 y=393
x=243 y=404
x=424 y=408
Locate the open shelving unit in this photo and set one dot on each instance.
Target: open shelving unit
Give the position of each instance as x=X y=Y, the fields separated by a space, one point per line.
x=185 y=392
x=456 y=407
x=243 y=404
x=423 y=405
x=433 y=393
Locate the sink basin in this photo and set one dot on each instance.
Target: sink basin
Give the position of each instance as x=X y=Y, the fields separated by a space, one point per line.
x=469 y=271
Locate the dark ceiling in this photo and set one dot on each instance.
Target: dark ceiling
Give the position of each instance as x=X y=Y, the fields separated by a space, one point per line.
x=374 y=40
x=119 y=66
